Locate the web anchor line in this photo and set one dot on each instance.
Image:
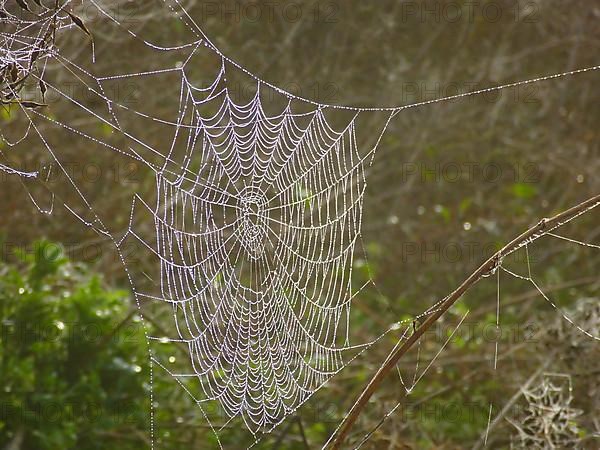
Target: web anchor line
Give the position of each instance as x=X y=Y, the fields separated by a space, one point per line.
x=195 y=27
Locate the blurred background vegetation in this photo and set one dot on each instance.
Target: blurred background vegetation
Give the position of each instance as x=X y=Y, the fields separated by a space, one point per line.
x=449 y=184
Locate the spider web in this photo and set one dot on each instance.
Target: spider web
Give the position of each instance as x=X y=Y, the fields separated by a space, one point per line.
x=255 y=218
x=256 y=229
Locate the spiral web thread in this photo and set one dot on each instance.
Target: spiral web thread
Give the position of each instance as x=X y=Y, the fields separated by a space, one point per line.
x=255 y=237
x=257 y=217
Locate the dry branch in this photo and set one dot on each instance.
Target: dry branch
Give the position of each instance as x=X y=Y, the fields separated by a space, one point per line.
x=491 y=265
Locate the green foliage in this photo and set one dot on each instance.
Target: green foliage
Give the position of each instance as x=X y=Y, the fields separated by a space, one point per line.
x=70 y=378
x=523 y=190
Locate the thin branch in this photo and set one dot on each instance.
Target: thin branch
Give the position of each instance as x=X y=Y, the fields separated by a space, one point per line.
x=282 y=435
x=488 y=267
x=302 y=433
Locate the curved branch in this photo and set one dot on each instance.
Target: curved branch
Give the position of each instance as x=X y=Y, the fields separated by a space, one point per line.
x=543 y=227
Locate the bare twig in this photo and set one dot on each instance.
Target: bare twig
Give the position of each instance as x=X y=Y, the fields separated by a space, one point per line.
x=488 y=267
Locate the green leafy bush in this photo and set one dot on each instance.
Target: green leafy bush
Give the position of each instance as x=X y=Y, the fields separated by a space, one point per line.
x=73 y=359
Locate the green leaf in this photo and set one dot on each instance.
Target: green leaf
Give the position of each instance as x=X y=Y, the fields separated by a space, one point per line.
x=523 y=190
